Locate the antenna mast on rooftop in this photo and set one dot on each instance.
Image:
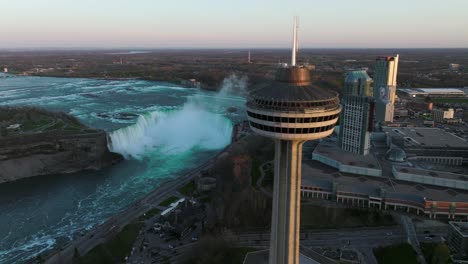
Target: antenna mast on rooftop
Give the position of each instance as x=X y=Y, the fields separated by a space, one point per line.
x=295 y=43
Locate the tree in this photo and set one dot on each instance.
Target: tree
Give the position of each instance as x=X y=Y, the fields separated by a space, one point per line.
x=76 y=257
x=441 y=254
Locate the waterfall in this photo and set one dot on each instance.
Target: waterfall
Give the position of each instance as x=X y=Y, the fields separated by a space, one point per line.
x=173 y=132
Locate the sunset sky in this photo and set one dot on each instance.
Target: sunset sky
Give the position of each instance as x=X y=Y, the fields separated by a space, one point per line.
x=232 y=24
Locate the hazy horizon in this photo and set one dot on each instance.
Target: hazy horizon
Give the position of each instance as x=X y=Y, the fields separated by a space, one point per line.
x=149 y=49
x=210 y=24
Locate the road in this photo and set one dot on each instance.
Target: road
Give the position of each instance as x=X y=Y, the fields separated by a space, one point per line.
x=359 y=239
x=101 y=233
x=413 y=239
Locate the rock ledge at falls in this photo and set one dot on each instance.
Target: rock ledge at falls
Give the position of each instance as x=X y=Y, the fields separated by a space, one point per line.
x=36 y=142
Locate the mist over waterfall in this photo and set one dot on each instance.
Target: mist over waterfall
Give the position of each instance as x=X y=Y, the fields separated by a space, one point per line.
x=195 y=125
x=173 y=132
x=234 y=85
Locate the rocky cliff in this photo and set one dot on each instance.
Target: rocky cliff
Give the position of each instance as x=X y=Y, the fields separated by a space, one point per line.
x=53 y=152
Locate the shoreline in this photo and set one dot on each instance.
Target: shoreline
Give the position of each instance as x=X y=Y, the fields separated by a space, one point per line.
x=178 y=84
x=102 y=232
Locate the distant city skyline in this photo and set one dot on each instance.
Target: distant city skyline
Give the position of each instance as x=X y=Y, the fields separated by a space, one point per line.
x=232 y=24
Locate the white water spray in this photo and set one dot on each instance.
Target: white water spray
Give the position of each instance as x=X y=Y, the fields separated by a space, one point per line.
x=233 y=85
x=173 y=132
x=180 y=130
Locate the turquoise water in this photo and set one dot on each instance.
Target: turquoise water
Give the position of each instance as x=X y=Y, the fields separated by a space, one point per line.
x=176 y=129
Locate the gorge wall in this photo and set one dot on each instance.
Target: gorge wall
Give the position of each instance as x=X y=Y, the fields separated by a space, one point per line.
x=54 y=153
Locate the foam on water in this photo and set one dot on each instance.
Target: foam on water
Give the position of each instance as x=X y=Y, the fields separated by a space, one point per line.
x=44 y=100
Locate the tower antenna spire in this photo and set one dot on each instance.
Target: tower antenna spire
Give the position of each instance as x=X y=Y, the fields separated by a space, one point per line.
x=295 y=42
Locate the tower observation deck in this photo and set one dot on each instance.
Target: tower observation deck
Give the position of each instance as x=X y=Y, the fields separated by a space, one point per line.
x=291 y=110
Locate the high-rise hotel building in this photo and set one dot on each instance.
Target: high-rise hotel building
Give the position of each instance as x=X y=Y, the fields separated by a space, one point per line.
x=385 y=75
x=356 y=120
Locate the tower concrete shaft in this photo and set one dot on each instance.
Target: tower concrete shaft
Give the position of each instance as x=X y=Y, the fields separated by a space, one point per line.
x=285 y=221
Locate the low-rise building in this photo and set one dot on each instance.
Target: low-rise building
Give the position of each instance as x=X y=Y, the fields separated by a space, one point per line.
x=420 y=106
x=368 y=193
x=441 y=115
x=399 y=112
x=181 y=219
x=441 y=146
x=457 y=238
x=432 y=92
x=328 y=152
x=454 y=66
x=206 y=184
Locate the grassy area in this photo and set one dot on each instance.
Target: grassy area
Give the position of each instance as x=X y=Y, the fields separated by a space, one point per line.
x=169 y=200
x=58 y=125
x=255 y=172
x=31 y=125
x=35 y=120
x=116 y=249
x=436 y=253
x=396 y=254
x=314 y=217
x=188 y=189
x=150 y=213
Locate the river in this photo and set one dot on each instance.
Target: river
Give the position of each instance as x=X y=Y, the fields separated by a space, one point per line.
x=174 y=129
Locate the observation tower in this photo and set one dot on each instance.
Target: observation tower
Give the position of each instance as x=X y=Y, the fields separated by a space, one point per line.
x=291 y=110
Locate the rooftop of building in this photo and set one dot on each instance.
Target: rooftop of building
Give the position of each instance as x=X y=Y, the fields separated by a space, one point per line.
x=354 y=76
x=424 y=91
x=405 y=197
x=359 y=189
x=293 y=89
x=329 y=147
x=290 y=92
x=386 y=58
x=315 y=173
x=460 y=227
x=396 y=154
x=324 y=184
x=426 y=137
x=432 y=173
x=443 y=109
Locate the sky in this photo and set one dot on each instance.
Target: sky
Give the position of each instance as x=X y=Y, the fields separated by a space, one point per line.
x=233 y=23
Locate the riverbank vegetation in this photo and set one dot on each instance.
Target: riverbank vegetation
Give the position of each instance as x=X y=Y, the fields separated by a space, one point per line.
x=401 y=254
x=114 y=250
x=168 y=201
x=320 y=217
